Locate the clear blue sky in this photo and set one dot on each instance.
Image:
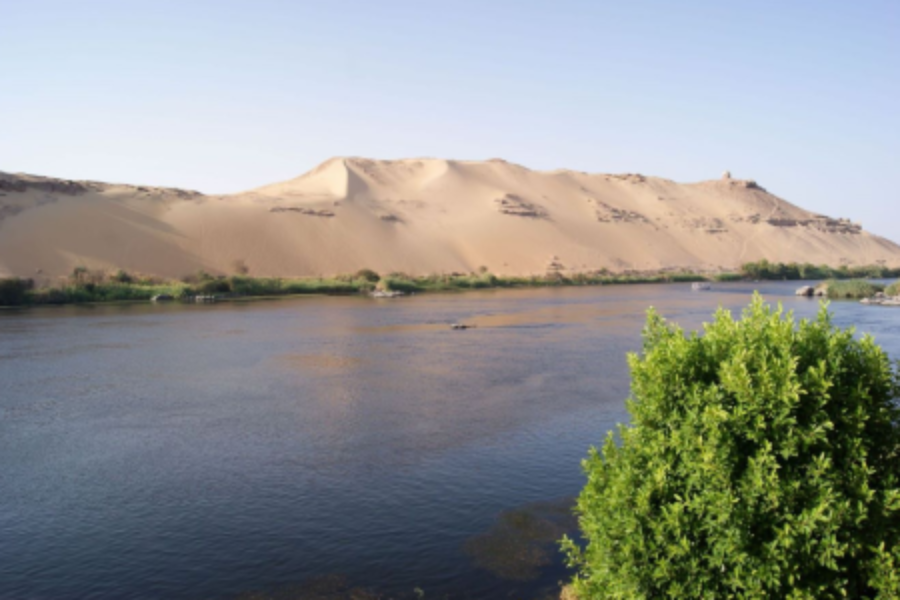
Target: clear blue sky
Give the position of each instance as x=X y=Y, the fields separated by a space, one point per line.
x=220 y=96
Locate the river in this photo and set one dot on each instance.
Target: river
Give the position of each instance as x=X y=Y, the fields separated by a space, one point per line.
x=319 y=447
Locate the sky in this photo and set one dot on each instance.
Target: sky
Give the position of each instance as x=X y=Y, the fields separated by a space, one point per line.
x=222 y=96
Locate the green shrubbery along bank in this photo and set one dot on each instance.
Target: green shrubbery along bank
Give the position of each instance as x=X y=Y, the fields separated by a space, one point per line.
x=96 y=286
x=763 y=269
x=86 y=286
x=852 y=289
x=762 y=461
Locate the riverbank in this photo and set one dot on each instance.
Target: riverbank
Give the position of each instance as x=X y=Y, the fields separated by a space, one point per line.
x=22 y=292
x=85 y=286
x=851 y=289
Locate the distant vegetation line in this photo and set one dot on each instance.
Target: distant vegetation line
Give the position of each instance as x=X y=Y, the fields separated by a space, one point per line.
x=84 y=286
x=765 y=270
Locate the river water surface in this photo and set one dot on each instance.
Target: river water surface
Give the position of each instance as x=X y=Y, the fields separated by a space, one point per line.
x=319 y=447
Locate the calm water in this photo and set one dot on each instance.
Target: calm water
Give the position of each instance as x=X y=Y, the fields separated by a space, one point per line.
x=309 y=446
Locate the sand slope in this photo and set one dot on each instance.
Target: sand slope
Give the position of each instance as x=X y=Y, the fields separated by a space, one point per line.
x=418 y=216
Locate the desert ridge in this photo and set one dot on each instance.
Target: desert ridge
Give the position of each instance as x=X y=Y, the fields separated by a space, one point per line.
x=418 y=216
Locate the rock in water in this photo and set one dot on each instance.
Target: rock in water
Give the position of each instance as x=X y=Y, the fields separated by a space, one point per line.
x=386 y=294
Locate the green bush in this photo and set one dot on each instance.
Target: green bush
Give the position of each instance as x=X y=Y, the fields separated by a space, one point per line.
x=14 y=291
x=121 y=276
x=105 y=292
x=399 y=282
x=852 y=289
x=79 y=273
x=199 y=277
x=318 y=286
x=893 y=289
x=368 y=275
x=69 y=294
x=218 y=285
x=762 y=461
x=255 y=286
x=686 y=277
x=763 y=269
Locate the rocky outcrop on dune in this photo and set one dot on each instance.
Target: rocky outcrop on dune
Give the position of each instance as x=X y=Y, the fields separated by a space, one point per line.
x=820 y=223
x=610 y=214
x=511 y=204
x=303 y=211
x=13 y=187
x=20 y=182
x=420 y=216
x=20 y=192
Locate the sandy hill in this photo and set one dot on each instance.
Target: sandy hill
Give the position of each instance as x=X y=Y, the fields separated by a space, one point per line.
x=417 y=216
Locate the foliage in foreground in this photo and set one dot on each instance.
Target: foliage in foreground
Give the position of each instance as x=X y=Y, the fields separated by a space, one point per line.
x=762 y=460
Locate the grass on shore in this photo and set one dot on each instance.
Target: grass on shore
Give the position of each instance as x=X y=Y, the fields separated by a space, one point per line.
x=97 y=286
x=765 y=270
x=852 y=289
x=85 y=286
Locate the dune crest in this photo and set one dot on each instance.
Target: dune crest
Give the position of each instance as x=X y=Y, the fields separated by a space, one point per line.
x=419 y=216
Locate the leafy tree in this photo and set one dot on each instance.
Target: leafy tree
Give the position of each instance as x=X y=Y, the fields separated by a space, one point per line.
x=368 y=274
x=216 y=285
x=122 y=276
x=762 y=461
x=14 y=291
x=79 y=274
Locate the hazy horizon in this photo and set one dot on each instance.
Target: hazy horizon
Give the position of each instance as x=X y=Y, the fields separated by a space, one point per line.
x=227 y=96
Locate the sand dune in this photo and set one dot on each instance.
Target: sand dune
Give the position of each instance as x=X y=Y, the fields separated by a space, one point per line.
x=417 y=216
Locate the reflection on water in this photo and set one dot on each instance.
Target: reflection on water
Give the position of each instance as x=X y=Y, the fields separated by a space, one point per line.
x=524 y=539
x=320 y=361
x=324 y=587
x=186 y=451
